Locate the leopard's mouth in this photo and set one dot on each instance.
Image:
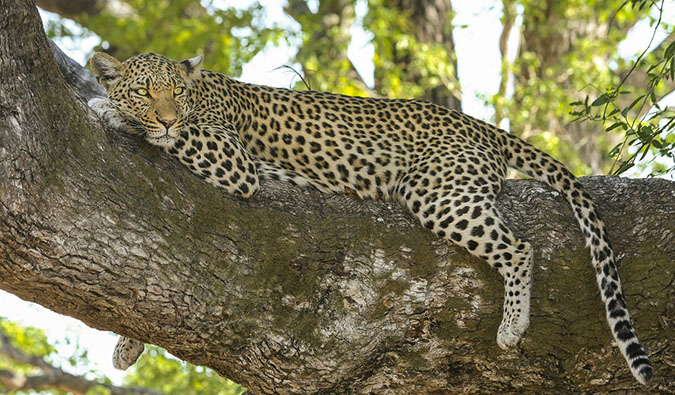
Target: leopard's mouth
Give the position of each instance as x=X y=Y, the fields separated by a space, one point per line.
x=156 y=132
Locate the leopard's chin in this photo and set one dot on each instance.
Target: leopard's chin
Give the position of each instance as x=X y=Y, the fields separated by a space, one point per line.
x=165 y=140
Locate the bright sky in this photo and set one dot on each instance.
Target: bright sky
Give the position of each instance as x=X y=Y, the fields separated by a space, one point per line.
x=478 y=74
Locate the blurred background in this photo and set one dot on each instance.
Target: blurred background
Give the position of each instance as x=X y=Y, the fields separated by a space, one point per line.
x=588 y=81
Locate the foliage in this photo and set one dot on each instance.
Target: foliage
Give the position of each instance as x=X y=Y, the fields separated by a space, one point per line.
x=404 y=66
x=566 y=46
x=160 y=371
x=157 y=370
x=33 y=341
x=179 y=29
x=647 y=127
x=325 y=36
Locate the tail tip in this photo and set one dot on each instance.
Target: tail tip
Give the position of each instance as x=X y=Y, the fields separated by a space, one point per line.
x=644 y=375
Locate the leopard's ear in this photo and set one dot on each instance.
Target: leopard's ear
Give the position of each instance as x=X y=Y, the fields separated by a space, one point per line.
x=191 y=67
x=106 y=68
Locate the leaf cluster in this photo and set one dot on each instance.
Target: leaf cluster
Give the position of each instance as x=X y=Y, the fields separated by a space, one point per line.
x=406 y=67
x=161 y=371
x=33 y=342
x=227 y=37
x=565 y=46
x=646 y=126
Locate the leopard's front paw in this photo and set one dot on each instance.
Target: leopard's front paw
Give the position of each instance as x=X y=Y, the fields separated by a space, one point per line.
x=97 y=104
x=126 y=352
x=109 y=115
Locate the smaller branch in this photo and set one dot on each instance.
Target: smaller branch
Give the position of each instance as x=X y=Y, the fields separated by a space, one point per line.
x=75 y=9
x=635 y=77
x=72 y=8
x=11 y=380
x=9 y=351
x=52 y=377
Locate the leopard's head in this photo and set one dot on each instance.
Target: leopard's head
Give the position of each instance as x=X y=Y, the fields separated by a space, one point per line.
x=149 y=90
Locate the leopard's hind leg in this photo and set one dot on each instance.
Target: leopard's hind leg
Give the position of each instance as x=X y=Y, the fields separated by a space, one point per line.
x=465 y=215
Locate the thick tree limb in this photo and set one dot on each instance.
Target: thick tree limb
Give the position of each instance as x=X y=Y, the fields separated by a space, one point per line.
x=51 y=377
x=296 y=291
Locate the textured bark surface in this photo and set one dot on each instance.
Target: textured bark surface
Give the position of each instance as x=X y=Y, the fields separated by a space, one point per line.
x=296 y=291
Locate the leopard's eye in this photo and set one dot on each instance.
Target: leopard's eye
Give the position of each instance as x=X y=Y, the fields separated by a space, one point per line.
x=142 y=92
x=178 y=90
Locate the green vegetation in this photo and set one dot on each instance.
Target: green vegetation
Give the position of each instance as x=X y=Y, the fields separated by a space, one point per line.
x=31 y=354
x=160 y=371
x=647 y=127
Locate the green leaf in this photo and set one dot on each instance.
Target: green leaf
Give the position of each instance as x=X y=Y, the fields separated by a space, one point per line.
x=670 y=51
x=627 y=109
x=602 y=99
x=614 y=126
x=624 y=166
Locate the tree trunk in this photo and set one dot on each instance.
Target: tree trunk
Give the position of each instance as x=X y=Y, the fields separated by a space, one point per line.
x=430 y=21
x=296 y=291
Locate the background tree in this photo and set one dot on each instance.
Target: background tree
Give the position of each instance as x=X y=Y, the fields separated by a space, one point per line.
x=565 y=47
x=27 y=365
x=28 y=362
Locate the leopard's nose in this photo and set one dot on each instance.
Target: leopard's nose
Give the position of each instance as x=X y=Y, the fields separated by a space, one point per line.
x=167 y=122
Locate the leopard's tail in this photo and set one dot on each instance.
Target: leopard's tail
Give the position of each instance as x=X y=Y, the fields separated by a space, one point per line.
x=541 y=166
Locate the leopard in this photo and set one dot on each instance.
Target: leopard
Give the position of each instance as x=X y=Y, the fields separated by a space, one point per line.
x=446 y=167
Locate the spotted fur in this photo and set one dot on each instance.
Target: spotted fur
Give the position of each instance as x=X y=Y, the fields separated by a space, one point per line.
x=444 y=166
x=126 y=353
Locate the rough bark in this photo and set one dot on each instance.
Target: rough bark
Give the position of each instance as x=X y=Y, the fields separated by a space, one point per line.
x=297 y=291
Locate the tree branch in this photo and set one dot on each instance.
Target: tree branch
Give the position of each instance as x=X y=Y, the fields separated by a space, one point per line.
x=298 y=291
